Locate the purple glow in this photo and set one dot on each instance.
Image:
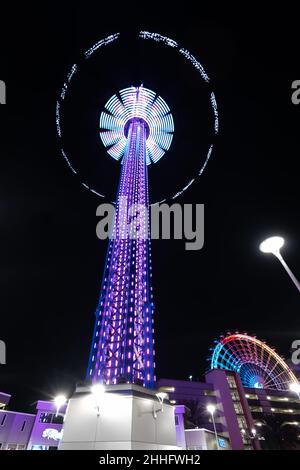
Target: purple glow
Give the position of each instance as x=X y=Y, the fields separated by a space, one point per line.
x=127 y=352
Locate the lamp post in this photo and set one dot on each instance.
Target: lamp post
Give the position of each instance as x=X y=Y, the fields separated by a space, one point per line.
x=273 y=245
x=211 y=409
x=161 y=397
x=59 y=401
x=97 y=392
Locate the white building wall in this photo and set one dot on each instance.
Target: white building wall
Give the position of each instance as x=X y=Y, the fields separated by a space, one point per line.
x=126 y=420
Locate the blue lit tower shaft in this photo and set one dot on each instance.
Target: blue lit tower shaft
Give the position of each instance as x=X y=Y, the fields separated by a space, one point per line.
x=122 y=347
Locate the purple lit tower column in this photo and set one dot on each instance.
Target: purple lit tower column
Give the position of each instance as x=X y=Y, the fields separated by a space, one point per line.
x=122 y=347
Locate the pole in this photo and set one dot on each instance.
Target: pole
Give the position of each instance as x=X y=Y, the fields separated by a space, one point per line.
x=291 y=275
x=216 y=435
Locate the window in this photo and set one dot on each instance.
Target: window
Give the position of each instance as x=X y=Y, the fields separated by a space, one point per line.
x=46 y=418
x=11 y=447
x=282 y=399
x=251 y=396
x=256 y=409
x=242 y=422
x=285 y=411
x=234 y=395
x=50 y=418
x=21 y=447
x=238 y=408
x=231 y=381
x=59 y=419
x=246 y=440
x=176 y=420
x=209 y=393
x=3 y=419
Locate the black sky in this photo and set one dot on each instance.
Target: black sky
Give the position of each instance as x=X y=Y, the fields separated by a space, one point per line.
x=52 y=262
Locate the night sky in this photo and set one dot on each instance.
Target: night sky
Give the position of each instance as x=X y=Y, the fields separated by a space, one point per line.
x=51 y=261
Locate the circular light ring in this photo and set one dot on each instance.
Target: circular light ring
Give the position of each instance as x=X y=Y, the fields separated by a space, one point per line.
x=137 y=103
x=145 y=35
x=257 y=363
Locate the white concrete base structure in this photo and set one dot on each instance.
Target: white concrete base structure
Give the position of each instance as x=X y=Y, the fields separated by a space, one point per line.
x=203 y=439
x=126 y=417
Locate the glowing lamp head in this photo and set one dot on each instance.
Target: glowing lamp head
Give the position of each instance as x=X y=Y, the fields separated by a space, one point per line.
x=162 y=396
x=98 y=390
x=211 y=409
x=59 y=401
x=272 y=245
x=295 y=387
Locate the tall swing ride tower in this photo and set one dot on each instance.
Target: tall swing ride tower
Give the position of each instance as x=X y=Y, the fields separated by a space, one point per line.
x=137 y=128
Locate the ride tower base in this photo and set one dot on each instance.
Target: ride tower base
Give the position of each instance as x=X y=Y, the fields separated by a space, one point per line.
x=127 y=416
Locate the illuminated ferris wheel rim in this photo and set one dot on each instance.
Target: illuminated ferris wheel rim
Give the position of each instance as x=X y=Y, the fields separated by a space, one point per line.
x=136 y=103
x=145 y=35
x=255 y=363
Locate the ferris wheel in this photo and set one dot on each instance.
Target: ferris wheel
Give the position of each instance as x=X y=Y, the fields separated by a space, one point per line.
x=258 y=365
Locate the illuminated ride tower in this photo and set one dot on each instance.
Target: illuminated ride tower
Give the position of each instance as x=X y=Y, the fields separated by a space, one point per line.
x=137 y=128
x=121 y=410
x=118 y=406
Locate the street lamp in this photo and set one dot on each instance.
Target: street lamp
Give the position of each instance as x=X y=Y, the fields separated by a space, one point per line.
x=211 y=409
x=98 y=392
x=295 y=387
x=273 y=245
x=59 y=401
x=161 y=397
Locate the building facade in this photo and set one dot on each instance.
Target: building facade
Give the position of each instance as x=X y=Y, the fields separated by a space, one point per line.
x=28 y=431
x=246 y=418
